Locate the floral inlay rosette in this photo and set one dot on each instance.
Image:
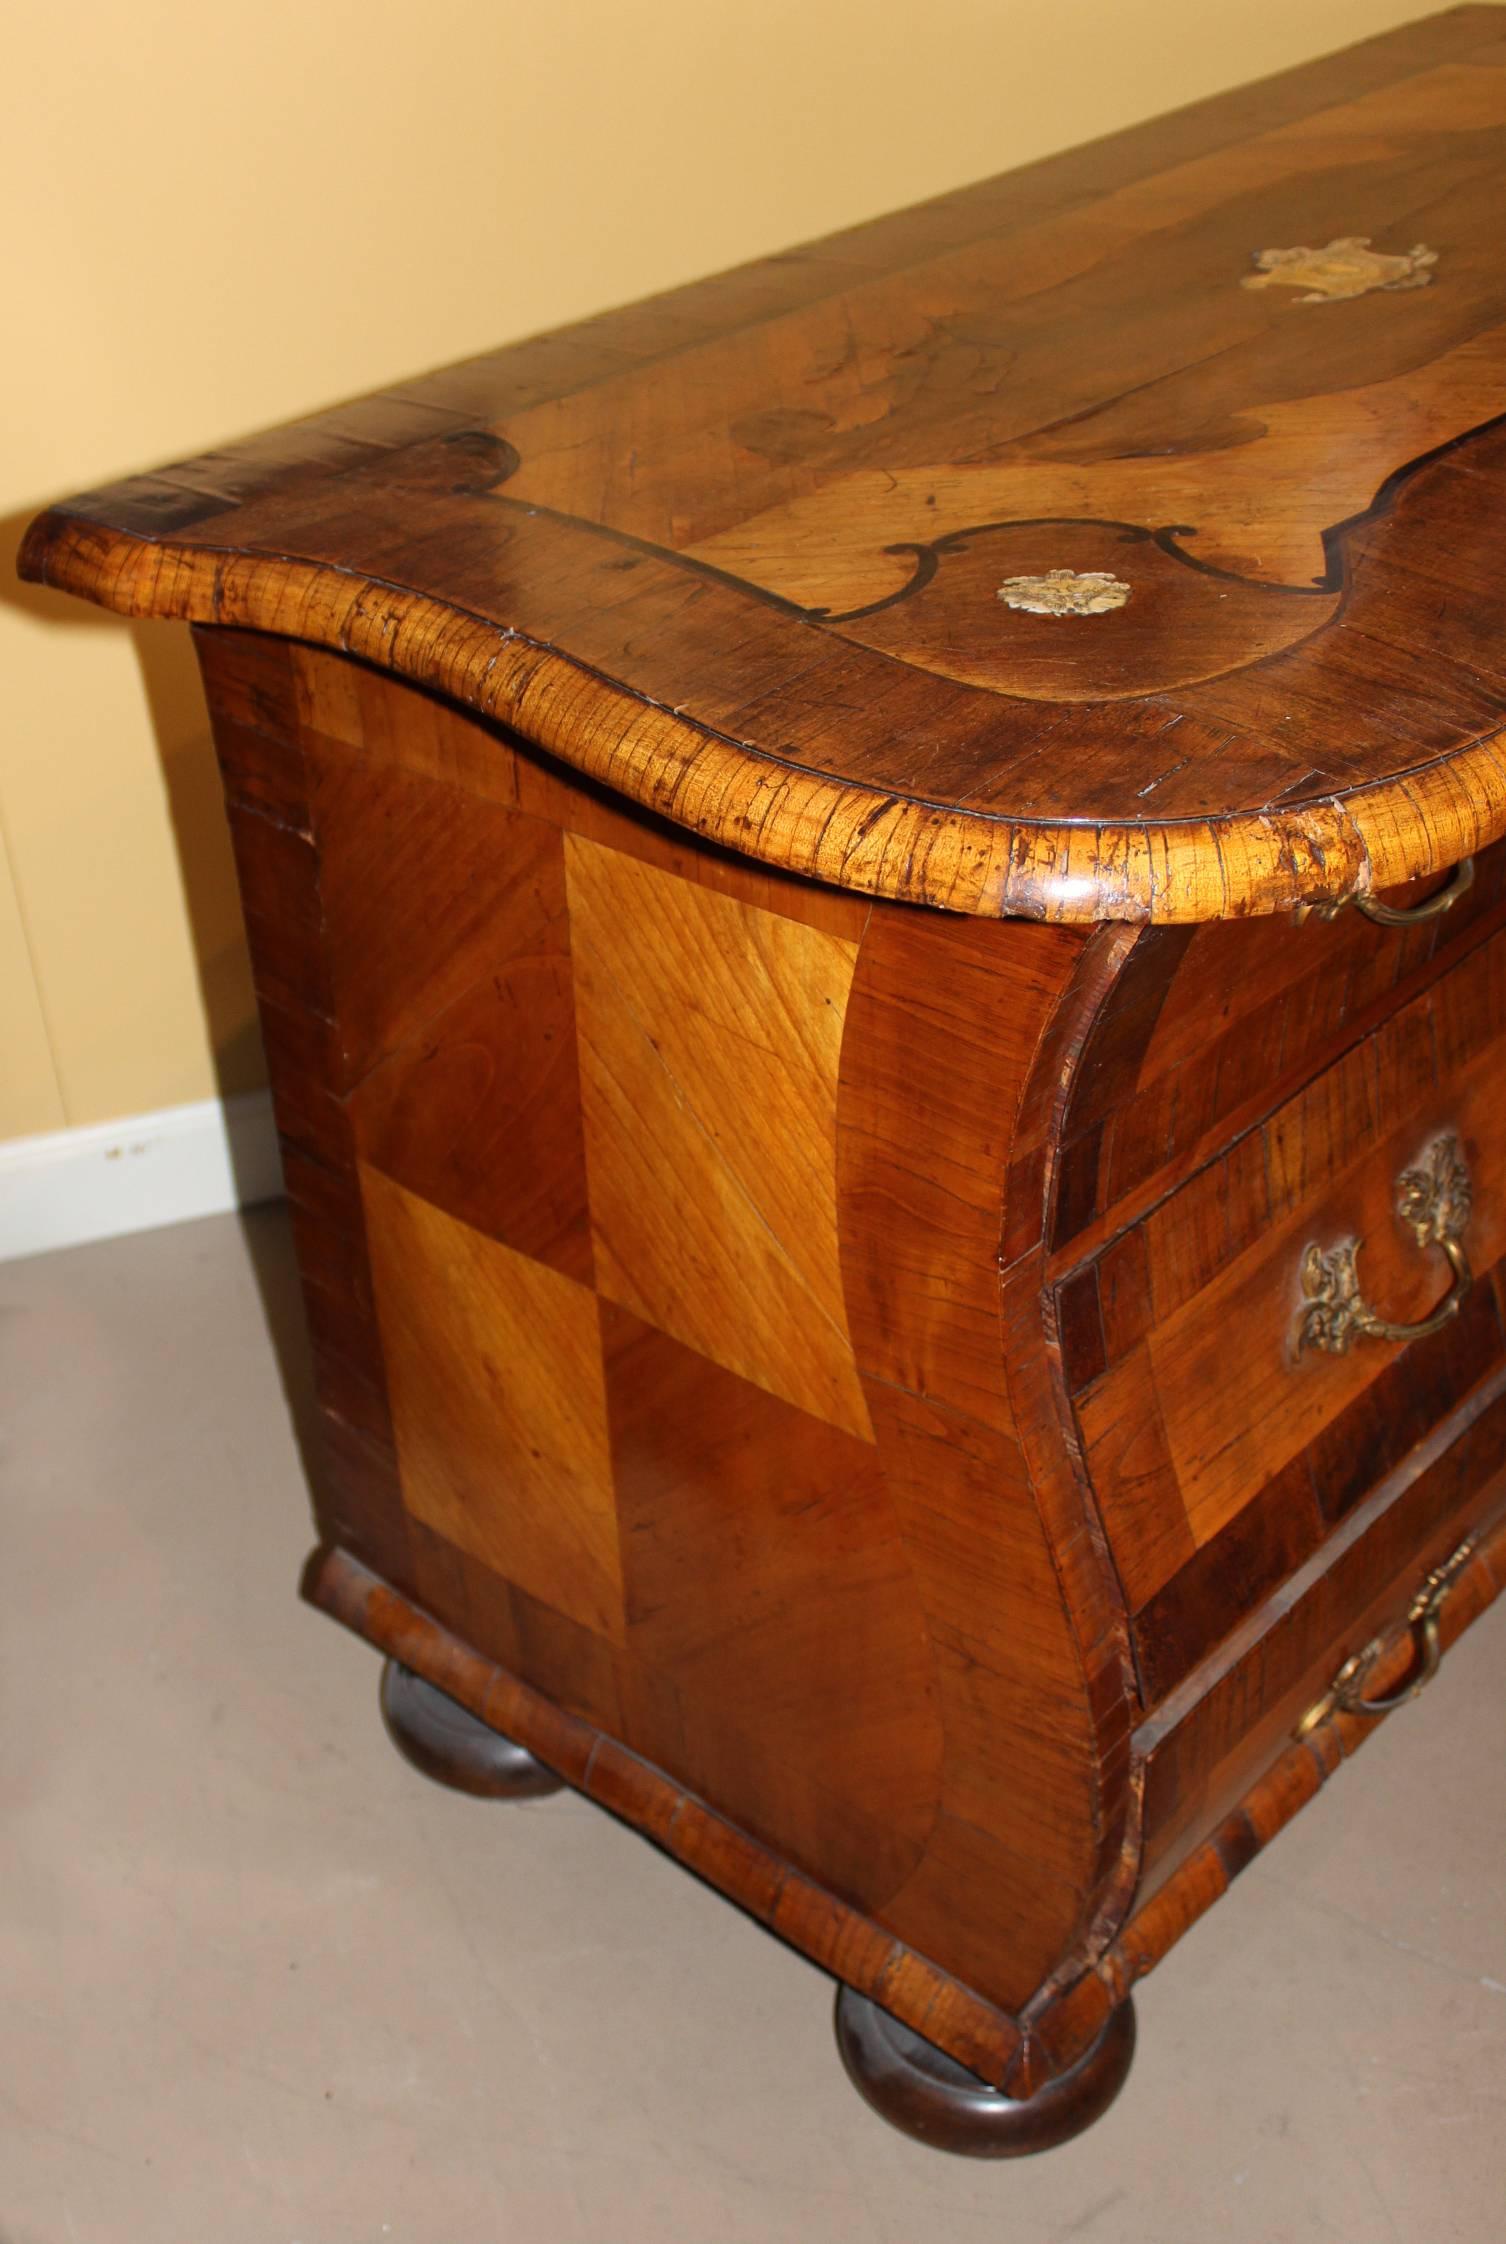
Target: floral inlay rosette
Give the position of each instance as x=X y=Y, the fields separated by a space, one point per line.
x=1343 y=269
x=1065 y=592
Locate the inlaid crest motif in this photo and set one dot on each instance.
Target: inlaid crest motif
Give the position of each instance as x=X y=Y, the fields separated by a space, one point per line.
x=1065 y=592
x=1346 y=268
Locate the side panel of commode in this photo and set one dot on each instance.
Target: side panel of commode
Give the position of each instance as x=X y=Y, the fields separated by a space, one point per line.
x=649 y=1208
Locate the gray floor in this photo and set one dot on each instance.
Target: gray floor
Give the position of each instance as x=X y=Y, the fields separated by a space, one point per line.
x=263 y=1985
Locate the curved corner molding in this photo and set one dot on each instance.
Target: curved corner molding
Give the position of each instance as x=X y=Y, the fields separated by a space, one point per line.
x=1341 y=270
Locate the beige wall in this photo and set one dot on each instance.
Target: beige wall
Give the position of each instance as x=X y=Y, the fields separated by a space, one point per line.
x=218 y=218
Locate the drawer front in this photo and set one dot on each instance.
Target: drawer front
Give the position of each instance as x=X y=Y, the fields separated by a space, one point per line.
x=1205 y=1024
x=1209 y=1744
x=1222 y=1453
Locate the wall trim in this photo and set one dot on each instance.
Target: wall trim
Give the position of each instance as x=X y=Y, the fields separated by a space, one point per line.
x=70 y=1186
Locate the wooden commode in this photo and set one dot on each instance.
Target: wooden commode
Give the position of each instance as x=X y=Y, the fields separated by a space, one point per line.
x=878 y=892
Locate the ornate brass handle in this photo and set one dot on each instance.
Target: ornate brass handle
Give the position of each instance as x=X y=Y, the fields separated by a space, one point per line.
x=1433 y=1201
x=1346 y=1693
x=1402 y=915
x=1408 y=915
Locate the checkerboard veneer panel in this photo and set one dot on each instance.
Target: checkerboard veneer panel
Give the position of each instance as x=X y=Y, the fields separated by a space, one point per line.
x=447 y=936
x=498 y=1400
x=710 y=1035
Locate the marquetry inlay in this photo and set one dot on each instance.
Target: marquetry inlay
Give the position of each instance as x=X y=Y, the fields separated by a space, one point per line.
x=1065 y=592
x=1343 y=269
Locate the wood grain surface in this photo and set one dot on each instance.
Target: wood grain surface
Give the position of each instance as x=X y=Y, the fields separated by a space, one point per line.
x=639 y=1245
x=826 y=1367
x=737 y=552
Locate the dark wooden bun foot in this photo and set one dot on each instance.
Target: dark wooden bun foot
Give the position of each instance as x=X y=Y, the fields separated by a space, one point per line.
x=448 y=1744
x=927 y=2094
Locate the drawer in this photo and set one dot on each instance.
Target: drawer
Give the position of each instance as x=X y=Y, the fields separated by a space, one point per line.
x=1207 y=1746
x=1222 y=1453
x=1204 y=1024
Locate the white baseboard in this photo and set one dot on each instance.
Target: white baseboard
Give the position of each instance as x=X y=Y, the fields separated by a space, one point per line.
x=147 y=1169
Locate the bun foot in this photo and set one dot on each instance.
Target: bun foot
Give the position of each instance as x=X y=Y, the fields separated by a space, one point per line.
x=448 y=1743
x=927 y=2094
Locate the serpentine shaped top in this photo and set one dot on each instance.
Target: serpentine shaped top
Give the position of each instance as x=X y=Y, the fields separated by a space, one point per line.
x=752 y=553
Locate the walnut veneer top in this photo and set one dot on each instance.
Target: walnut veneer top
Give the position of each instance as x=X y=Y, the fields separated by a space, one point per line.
x=738 y=551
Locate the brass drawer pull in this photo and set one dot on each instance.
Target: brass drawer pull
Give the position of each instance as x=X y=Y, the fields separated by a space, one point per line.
x=1346 y=1693
x=1433 y=1201
x=1408 y=915
x=1400 y=915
